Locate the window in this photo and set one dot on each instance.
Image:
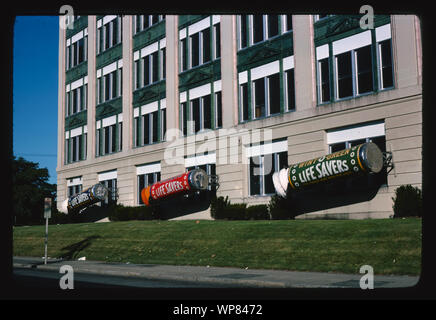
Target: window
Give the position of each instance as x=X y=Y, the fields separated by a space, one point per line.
x=209 y=168
x=261 y=170
x=266 y=96
x=364 y=70
x=73 y=190
x=109 y=86
x=260 y=28
x=146 y=126
x=344 y=75
x=287 y=22
x=324 y=80
x=348 y=137
x=354 y=60
x=244 y=101
x=76 y=52
x=219 y=110
x=201 y=44
x=217 y=36
x=203 y=110
x=143 y=22
x=145 y=180
x=109 y=34
x=111 y=185
x=200 y=47
x=290 y=89
x=109 y=137
x=149 y=68
x=75 y=145
x=385 y=64
x=76 y=100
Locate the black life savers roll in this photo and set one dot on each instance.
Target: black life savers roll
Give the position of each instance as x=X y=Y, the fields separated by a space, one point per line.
x=363 y=158
x=94 y=194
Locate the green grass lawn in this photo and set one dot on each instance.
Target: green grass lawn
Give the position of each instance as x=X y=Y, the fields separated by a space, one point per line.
x=390 y=246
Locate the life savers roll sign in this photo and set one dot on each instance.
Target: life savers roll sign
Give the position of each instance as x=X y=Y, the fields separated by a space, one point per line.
x=338 y=164
x=171 y=186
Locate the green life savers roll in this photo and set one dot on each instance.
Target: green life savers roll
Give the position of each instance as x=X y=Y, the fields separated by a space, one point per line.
x=363 y=158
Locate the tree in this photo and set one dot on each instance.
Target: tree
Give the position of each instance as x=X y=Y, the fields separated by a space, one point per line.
x=29 y=188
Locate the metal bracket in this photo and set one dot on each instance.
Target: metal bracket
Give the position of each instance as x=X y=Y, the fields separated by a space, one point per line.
x=214 y=181
x=388 y=161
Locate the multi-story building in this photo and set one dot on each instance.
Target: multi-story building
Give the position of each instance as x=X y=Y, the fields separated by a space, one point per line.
x=146 y=97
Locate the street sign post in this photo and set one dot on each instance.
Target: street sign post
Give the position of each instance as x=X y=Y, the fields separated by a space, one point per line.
x=47 y=215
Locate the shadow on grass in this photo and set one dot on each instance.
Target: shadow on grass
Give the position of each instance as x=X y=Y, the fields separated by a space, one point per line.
x=73 y=250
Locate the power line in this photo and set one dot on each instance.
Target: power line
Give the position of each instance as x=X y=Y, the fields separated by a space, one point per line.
x=37 y=155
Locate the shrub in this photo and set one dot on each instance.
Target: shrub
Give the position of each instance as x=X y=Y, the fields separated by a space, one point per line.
x=124 y=213
x=278 y=208
x=217 y=205
x=234 y=211
x=257 y=212
x=407 y=202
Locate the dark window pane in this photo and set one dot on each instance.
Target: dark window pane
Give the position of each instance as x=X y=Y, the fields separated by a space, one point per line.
x=146 y=124
x=217 y=40
x=290 y=89
x=269 y=169
x=141 y=185
x=107 y=87
x=106 y=140
x=219 y=110
x=273 y=25
x=274 y=93
x=337 y=147
x=254 y=176
x=164 y=123
x=183 y=54
x=244 y=101
x=325 y=80
x=259 y=98
x=196 y=114
x=357 y=142
x=283 y=160
x=107 y=33
x=243 y=34
x=185 y=118
x=146 y=62
x=155 y=126
x=258 y=28
x=345 y=82
x=113 y=138
x=206 y=45
x=163 y=63
x=155 y=69
x=195 y=50
x=114 y=84
x=137 y=131
x=288 y=22
x=386 y=64
x=81 y=50
x=207 y=115
x=364 y=69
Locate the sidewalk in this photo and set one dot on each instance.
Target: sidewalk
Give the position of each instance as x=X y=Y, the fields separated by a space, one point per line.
x=218 y=276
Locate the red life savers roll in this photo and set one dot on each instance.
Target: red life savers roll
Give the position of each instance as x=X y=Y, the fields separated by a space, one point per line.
x=196 y=179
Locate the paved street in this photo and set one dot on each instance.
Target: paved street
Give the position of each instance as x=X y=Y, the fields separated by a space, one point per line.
x=101 y=274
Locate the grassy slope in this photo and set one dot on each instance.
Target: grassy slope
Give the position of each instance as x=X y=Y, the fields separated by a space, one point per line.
x=391 y=246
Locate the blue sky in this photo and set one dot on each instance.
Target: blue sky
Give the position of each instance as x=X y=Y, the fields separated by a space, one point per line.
x=35 y=90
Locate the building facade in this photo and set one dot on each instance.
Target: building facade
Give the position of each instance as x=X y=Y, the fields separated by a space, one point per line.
x=146 y=97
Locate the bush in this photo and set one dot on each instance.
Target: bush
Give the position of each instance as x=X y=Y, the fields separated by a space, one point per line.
x=279 y=208
x=122 y=213
x=407 y=202
x=234 y=211
x=217 y=205
x=257 y=212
